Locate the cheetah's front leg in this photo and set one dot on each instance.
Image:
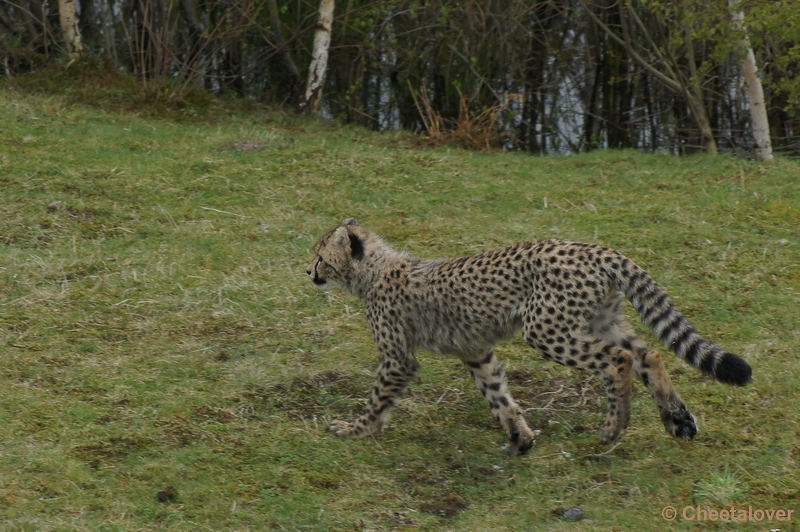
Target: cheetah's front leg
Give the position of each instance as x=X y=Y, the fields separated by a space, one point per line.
x=491 y=381
x=390 y=384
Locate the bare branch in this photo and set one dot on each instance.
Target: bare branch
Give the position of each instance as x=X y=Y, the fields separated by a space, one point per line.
x=280 y=43
x=663 y=78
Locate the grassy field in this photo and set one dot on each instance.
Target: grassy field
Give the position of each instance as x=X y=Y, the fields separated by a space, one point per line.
x=165 y=363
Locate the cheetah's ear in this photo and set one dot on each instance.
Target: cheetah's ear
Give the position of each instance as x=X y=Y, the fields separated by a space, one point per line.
x=349 y=241
x=341 y=237
x=350 y=221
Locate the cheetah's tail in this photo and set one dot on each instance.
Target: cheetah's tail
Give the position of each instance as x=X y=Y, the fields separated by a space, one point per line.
x=659 y=313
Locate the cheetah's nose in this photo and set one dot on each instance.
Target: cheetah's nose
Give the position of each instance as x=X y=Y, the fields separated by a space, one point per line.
x=308 y=272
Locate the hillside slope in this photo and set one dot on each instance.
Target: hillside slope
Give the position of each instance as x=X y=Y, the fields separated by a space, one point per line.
x=166 y=363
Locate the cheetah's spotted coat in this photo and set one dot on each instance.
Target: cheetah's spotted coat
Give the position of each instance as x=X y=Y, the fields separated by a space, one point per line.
x=566 y=297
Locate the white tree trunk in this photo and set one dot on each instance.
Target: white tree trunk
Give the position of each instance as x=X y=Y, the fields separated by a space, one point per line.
x=69 y=27
x=758 y=109
x=319 y=59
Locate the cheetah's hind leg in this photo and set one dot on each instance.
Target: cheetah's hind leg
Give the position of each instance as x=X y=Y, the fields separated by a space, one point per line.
x=617 y=377
x=649 y=368
x=678 y=421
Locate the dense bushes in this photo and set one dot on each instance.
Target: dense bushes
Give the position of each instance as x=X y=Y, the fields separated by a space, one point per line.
x=555 y=76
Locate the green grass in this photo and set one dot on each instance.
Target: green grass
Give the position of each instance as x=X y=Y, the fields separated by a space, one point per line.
x=157 y=329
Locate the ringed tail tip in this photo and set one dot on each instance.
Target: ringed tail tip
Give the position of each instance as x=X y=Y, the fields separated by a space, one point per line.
x=734 y=370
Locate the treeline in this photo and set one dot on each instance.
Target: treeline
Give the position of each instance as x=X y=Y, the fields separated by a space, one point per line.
x=542 y=76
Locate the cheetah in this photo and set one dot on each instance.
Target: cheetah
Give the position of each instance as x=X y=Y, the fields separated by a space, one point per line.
x=566 y=297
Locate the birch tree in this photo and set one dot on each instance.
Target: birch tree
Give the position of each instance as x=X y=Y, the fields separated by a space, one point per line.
x=755 y=93
x=69 y=27
x=309 y=104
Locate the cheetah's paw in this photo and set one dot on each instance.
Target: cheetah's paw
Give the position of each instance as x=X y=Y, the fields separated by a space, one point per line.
x=682 y=425
x=610 y=433
x=520 y=442
x=341 y=428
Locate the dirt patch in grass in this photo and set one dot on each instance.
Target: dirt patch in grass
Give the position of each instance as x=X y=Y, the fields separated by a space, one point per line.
x=447 y=506
x=393 y=520
x=184 y=430
x=168 y=495
x=179 y=430
x=243 y=146
x=211 y=414
x=113 y=449
x=222 y=328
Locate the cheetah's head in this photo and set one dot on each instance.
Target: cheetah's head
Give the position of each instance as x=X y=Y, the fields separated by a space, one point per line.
x=336 y=254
